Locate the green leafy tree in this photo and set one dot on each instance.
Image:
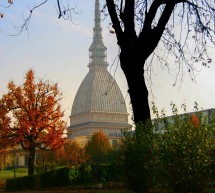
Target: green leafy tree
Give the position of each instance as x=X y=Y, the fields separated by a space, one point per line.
x=186 y=148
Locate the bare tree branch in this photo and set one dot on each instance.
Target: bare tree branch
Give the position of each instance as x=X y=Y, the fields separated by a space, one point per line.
x=64 y=11
x=27 y=20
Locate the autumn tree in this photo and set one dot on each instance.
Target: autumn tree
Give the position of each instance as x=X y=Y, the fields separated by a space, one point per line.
x=4 y=126
x=98 y=147
x=70 y=154
x=31 y=116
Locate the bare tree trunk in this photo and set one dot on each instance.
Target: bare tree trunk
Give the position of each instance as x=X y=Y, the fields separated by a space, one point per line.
x=135 y=49
x=132 y=64
x=31 y=161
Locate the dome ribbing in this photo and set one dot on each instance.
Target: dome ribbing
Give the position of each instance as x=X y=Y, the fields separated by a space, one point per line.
x=98 y=92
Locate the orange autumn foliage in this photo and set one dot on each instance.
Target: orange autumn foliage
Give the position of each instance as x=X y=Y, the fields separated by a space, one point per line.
x=4 y=128
x=98 y=148
x=194 y=120
x=31 y=115
x=71 y=154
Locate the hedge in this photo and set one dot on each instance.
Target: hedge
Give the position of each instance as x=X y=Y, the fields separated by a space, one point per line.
x=65 y=176
x=95 y=173
x=59 y=177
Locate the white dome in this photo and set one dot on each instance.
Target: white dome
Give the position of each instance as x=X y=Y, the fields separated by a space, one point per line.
x=98 y=92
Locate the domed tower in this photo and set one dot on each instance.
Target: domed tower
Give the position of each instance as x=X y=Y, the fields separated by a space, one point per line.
x=99 y=103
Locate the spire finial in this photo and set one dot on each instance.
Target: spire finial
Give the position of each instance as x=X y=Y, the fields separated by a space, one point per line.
x=97 y=48
x=97 y=28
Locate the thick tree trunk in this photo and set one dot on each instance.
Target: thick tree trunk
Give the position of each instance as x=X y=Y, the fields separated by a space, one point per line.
x=136 y=49
x=31 y=161
x=132 y=63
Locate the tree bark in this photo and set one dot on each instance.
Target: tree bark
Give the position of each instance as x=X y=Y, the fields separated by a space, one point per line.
x=132 y=63
x=31 y=161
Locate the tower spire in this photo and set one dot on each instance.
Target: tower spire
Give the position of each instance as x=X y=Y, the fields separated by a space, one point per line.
x=97 y=49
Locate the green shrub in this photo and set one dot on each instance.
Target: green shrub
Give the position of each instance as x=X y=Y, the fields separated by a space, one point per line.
x=59 y=177
x=73 y=173
x=185 y=148
x=116 y=171
x=62 y=177
x=13 y=184
x=101 y=172
x=95 y=173
x=30 y=182
x=23 y=183
x=47 y=179
x=38 y=169
x=138 y=152
x=84 y=174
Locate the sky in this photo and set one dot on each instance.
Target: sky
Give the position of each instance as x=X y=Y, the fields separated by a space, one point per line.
x=57 y=50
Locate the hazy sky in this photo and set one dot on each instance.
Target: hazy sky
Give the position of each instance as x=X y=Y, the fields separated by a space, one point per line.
x=58 y=50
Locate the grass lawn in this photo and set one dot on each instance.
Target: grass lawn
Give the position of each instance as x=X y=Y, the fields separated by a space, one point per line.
x=8 y=174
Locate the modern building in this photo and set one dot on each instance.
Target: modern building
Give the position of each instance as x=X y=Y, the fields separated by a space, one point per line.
x=99 y=103
x=207 y=114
